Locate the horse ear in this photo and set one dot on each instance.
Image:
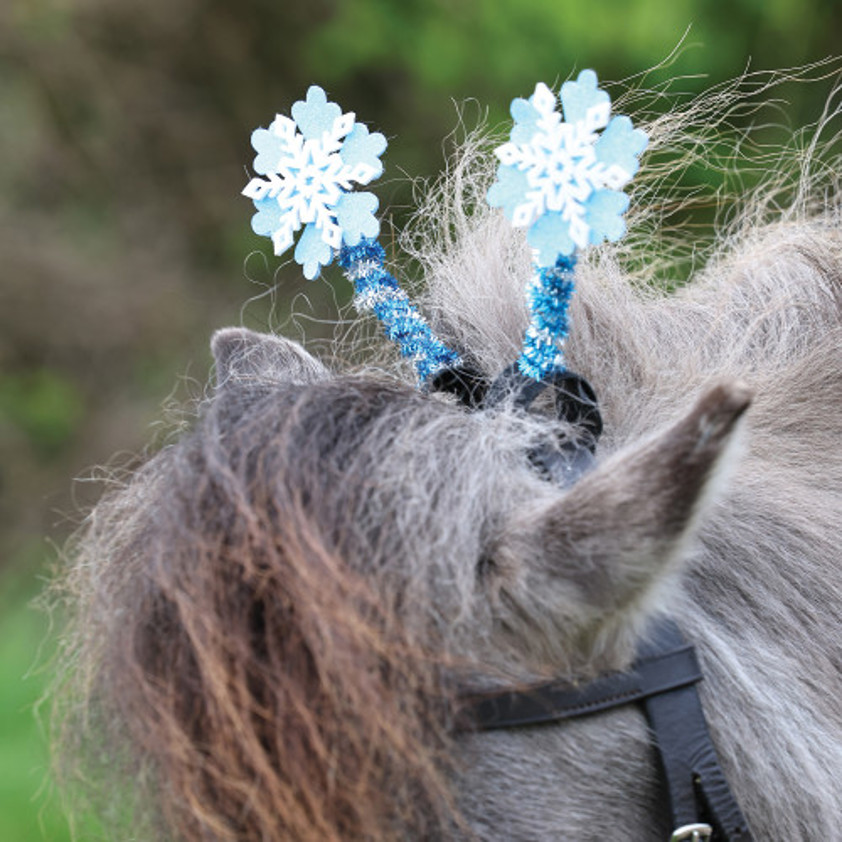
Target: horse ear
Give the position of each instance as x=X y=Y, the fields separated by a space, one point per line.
x=242 y=354
x=597 y=554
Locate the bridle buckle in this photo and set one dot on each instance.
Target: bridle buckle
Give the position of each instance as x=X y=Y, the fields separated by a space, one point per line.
x=692 y=833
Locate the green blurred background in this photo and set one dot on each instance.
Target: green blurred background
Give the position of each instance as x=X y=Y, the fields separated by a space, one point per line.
x=124 y=142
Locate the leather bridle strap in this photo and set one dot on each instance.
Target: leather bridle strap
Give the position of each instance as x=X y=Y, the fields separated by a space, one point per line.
x=696 y=784
x=663 y=679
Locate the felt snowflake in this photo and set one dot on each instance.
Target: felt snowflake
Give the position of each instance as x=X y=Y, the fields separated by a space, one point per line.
x=562 y=179
x=311 y=162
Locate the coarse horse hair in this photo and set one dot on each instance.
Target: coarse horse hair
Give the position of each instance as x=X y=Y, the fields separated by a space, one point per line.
x=271 y=618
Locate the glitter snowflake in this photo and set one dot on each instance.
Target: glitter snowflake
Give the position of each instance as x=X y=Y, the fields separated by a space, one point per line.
x=311 y=163
x=562 y=179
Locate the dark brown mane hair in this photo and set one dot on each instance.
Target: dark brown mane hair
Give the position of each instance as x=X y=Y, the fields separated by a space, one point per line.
x=222 y=631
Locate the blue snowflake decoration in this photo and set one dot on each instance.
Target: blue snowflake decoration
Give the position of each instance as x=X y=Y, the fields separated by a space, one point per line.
x=311 y=163
x=562 y=179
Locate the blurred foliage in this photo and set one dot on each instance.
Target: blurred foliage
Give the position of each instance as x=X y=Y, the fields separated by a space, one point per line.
x=124 y=144
x=27 y=813
x=43 y=405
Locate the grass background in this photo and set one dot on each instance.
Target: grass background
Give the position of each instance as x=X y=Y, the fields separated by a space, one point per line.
x=124 y=133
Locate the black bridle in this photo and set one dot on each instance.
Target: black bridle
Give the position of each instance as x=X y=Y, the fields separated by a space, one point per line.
x=663 y=678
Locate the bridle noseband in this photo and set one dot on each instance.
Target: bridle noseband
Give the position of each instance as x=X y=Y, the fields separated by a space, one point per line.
x=663 y=677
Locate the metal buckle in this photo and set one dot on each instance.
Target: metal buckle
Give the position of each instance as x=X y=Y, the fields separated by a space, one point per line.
x=692 y=833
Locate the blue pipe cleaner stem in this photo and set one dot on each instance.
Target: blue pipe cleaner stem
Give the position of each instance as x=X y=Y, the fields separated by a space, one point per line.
x=376 y=291
x=548 y=294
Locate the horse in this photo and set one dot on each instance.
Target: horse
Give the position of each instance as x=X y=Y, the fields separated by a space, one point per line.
x=275 y=617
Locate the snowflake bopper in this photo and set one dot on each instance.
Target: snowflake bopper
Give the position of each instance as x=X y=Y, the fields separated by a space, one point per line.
x=562 y=180
x=311 y=163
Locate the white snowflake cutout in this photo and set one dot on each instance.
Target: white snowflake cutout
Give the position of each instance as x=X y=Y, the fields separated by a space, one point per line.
x=561 y=178
x=311 y=162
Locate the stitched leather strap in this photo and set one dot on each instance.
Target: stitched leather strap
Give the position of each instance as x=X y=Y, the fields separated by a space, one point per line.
x=663 y=679
x=698 y=789
x=553 y=702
